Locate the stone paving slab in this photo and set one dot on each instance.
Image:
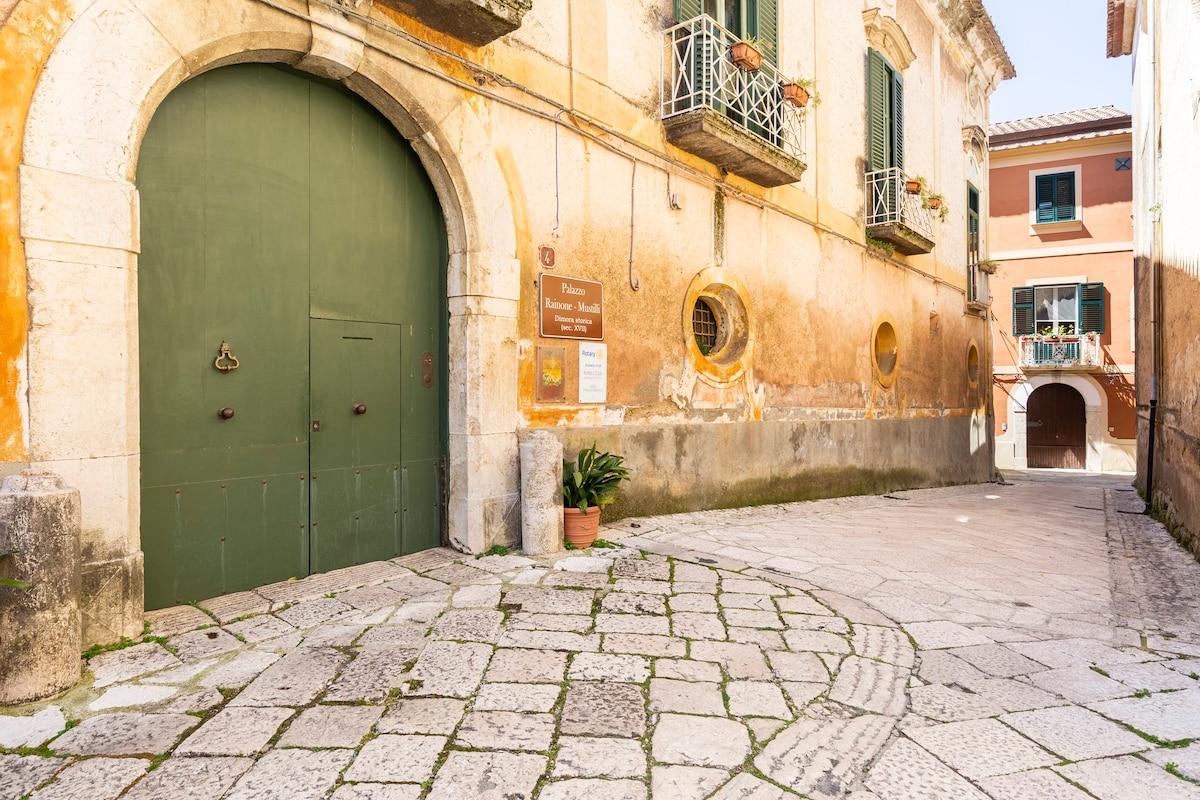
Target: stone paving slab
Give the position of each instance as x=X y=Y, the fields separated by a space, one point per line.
x=94 y=779
x=1126 y=777
x=1075 y=733
x=753 y=649
x=192 y=778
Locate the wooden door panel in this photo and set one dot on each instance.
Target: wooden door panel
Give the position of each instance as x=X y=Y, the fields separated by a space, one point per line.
x=355 y=457
x=1056 y=428
x=222 y=175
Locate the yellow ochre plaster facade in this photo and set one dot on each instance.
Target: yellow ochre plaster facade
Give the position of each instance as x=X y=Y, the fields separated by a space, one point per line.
x=550 y=136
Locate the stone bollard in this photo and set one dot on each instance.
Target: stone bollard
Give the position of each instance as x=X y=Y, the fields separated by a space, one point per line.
x=541 y=494
x=39 y=627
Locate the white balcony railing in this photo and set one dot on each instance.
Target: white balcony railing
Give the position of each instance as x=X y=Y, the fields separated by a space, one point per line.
x=890 y=203
x=1060 y=352
x=698 y=72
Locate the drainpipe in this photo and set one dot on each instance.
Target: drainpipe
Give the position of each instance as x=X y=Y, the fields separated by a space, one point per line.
x=1155 y=255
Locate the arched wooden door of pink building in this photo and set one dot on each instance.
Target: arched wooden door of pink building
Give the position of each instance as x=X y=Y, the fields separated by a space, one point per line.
x=1056 y=428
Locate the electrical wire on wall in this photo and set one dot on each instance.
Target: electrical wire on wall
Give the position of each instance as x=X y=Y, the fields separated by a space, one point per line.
x=652 y=157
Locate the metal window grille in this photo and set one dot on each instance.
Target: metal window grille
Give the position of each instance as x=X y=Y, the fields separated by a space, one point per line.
x=704 y=327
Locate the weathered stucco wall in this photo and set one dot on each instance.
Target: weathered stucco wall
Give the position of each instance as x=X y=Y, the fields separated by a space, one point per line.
x=548 y=137
x=1166 y=66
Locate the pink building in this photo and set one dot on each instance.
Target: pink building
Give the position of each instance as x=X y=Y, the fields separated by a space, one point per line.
x=1061 y=236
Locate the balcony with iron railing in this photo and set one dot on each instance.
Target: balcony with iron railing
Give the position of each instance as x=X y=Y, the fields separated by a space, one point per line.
x=897 y=216
x=733 y=117
x=1062 y=353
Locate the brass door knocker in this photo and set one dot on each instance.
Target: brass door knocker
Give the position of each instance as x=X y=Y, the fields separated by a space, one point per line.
x=227 y=357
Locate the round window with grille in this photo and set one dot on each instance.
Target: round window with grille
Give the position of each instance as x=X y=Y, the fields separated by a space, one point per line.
x=716 y=326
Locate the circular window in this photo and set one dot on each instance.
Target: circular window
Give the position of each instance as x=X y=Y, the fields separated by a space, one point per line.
x=716 y=326
x=885 y=354
x=973 y=365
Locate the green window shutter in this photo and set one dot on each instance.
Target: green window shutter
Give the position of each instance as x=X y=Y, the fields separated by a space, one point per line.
x=1091 y=307
x=687 y=9
x=1055 y=197
x=1044 y=198
x=877 y=111
x=763 y=16
x=897 y=120
x=1022 y=310
x=1064 y=197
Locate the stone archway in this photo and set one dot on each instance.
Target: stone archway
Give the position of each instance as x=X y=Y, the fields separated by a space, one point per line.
x=97 y=92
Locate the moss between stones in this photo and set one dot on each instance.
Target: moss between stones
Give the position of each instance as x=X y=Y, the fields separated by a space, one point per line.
x=814 y=484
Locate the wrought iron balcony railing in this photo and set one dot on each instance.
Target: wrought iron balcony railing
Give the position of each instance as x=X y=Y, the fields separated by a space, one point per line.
x=890 y=204
x=1061 y=352
x=698 y=73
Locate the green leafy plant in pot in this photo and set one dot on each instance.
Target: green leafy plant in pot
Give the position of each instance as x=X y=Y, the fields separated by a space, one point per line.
x=589 y=482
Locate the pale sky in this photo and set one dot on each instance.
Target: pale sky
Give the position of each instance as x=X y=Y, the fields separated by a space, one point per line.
x=1057 y=47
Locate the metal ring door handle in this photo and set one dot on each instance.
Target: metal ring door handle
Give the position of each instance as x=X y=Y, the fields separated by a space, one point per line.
x=359 y=408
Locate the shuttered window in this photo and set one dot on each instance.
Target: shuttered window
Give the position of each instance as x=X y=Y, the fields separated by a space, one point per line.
x=742 y=18
x=885 y=111
x=687 y=9
x=1022 y=311
x=1055 y=197
x=1069 y=309
x=1091 y=307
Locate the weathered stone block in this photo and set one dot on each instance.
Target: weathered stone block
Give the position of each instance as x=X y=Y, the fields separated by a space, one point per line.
x=541 y=494
x=40 y=520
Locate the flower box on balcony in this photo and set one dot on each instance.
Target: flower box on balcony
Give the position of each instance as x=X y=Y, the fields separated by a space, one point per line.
x=746 y=56
x=795 y=94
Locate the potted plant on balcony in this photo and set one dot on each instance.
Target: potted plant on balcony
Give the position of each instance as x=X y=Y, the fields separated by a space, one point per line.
x=989 y=266
x=589 y=482
x=1052 y=333
x=747 y=54
x=915 y=185
x=936 y=202
x=798 y=92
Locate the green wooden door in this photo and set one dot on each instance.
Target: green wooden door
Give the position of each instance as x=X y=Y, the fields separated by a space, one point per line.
x=279 y=212
x=356 y=485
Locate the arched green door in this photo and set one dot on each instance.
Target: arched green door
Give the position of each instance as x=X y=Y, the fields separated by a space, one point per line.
x=285 y=217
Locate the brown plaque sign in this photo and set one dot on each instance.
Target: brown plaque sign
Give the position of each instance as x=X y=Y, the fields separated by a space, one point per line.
x=570 y=308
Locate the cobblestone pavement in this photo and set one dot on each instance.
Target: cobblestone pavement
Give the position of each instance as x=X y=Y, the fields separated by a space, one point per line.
x=750 y=654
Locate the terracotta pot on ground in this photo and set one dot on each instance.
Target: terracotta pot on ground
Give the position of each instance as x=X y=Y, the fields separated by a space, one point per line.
x=581 y=529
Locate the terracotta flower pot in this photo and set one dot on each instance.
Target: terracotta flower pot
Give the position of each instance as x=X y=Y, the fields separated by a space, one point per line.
x=913 y=187
x=581 y=529
x=795 y=94
x=933 y=203
x=746 y=56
